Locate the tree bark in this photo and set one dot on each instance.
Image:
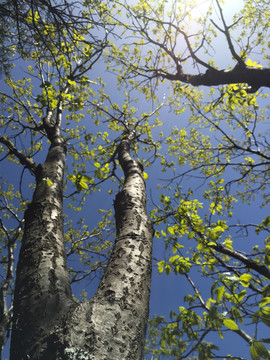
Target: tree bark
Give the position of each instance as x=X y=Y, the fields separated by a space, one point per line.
x=112 y=325
x=42 y=288
x=254 y=77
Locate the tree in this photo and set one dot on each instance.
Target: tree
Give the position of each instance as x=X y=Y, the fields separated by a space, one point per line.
x=47 y=322
x=46 y=110
x=232 y=163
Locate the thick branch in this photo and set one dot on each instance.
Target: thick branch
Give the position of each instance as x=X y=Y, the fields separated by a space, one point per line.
x=254 y=77
x=24 y=160
x=261 y=269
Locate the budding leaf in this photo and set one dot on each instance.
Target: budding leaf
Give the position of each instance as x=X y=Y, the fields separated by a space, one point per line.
x=145 y=175
x=48 y=181
x=230 y=324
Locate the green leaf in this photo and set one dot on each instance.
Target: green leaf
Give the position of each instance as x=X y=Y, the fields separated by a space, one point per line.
x=161 y=266
x=48 y=181
x=173 y=258
x=167 y=269
x=261 y=350
x=245 y=279
x=83 y=185
x=71 y=82
x=264 y=301
x=241 y=295
x=171 y=230
x=72 y=177
x=251 y=63
x=266 y=221
x=220 y=292
x=256 y=316
x=265 y=315
x=218 y=228
x=145 y=175
x=99 y=174
x=87 y=178
x=253 y=353
x=230 y=324
x=243 y=93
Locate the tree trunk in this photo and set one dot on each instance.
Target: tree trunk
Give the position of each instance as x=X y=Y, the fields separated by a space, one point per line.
x=112 y=324
x=42 y=289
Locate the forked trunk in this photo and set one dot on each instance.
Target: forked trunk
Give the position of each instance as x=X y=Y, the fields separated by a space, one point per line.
x=112 y=324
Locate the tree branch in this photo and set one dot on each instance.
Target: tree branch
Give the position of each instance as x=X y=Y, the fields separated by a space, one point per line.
x=24 y=160
x=228 y=37
x=261 y=269
x=254 y=77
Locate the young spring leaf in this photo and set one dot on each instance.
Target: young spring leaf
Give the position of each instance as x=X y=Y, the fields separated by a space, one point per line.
x=230 y=324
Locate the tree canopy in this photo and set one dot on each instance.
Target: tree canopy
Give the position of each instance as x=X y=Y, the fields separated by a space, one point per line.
x=179 y=86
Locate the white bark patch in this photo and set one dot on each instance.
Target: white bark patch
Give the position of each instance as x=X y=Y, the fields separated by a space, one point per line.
x=50 y=227
x=60 y=262
x=54 y=214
